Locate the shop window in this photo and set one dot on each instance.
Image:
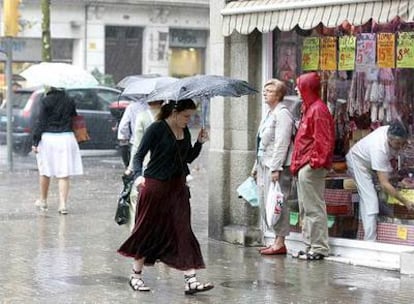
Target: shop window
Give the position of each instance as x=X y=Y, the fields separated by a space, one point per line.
x=186 y=62
x=360 y=98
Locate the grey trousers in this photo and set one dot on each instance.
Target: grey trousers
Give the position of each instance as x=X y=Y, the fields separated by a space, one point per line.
x=312 y=209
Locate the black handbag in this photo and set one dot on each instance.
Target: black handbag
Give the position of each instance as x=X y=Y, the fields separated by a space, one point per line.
x=122 y=210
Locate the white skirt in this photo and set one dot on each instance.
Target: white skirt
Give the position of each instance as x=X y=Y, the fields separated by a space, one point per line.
x=59 y=155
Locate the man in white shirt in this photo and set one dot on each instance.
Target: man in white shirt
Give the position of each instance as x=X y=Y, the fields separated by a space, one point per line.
x=372 y=155
x=126 y=127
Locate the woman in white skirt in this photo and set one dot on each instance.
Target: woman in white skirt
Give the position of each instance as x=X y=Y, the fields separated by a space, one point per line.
x=57 y=151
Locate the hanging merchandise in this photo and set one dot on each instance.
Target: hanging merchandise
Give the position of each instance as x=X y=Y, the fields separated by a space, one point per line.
x=387 y=84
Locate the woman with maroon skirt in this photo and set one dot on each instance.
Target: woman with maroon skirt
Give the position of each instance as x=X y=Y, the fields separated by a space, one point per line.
x=163 y=220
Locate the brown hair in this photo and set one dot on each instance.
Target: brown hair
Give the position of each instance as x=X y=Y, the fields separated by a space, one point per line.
x=179 y=106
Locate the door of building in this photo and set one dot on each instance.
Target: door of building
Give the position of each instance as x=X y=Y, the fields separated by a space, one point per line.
x=123 y=51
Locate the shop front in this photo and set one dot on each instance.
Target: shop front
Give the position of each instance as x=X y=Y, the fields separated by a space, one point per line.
x=364 y=53
x=187 y=52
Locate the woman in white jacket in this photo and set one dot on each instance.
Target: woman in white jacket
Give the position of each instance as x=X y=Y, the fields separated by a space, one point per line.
x=274 y=150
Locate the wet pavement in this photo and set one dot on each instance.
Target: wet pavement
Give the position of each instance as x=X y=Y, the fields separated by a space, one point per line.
x=50 y=258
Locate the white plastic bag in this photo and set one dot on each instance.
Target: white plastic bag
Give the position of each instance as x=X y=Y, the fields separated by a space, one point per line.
x=274 y=204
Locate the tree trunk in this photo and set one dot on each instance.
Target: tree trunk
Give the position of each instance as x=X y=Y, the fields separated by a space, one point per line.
x=46 y=39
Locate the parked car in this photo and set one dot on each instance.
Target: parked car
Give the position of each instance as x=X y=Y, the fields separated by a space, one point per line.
x=93 y=103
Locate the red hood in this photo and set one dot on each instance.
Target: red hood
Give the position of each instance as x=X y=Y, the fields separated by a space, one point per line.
x=309 y=86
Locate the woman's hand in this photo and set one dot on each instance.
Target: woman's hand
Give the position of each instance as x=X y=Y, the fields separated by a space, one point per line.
x=140 y=181
x=202 y=136
x=275 y=176
x=35 y=149
x=254 y=174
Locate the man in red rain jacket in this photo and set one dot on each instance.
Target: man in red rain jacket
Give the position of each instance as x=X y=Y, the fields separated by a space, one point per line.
x=311 y=160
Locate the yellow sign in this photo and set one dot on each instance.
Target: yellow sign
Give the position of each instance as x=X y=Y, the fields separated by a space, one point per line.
x=328 y=53
x=402 y=232
x=386 y=50
x=347 y=47
x=405 y=50
x=310 y=54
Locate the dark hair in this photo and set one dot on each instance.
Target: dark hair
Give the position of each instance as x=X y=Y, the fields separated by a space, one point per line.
x=179 y=106
x=397 y=129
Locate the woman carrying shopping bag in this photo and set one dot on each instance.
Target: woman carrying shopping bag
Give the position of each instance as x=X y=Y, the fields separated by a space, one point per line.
x=274 y=150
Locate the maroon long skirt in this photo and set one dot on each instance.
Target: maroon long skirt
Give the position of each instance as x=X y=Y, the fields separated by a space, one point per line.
x=163 y=226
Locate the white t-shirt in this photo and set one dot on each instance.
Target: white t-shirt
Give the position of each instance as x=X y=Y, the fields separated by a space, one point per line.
x=374 y=152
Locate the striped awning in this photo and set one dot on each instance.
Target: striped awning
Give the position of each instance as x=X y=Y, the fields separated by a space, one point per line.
x=266 y=15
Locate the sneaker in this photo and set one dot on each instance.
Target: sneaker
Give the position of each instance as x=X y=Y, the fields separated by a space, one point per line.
x=41 y=204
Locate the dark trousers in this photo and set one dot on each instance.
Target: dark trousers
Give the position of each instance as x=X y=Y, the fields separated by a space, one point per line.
x=125 y=154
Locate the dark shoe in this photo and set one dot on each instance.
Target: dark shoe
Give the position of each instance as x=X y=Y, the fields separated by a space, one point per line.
x=298 y=254
x=272 y=251
x=311 y=256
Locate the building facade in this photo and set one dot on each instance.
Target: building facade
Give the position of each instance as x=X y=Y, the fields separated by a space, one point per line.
x=119 y=38
x=257 y=40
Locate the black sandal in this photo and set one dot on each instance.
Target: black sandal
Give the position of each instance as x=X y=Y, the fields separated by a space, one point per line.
x=298 y=254
x=312 y=256
x=192 y=285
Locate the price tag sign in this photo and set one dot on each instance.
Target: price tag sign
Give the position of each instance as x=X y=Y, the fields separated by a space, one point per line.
x=328 y=53
x=310 y=54
x=386 y=50
x=366 y=49
x=402 y=232
x=405 y=51
x=347 y=47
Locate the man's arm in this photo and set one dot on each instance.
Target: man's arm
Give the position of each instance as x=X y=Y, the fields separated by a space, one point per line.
x=384 y=180
x=124 y=127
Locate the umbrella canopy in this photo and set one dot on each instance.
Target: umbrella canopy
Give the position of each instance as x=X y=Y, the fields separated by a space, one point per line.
x=124 y=82
x=203 y=87
x=144 y=86
x=59 y=75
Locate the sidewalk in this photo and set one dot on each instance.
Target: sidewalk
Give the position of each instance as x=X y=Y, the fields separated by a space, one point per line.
x=47 y=258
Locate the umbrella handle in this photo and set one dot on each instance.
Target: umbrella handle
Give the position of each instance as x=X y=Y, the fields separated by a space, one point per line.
x=204 y=110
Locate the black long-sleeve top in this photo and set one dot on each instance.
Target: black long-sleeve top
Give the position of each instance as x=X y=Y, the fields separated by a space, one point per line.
x=168 y=156
x=56 y=110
